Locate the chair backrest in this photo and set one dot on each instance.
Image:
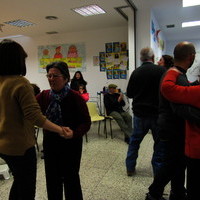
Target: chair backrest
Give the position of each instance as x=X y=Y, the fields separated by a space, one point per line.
x=93 y=111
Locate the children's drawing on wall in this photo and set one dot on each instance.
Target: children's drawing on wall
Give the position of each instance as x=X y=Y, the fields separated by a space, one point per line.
x=157 y=40
x=115 y=58
x=45 y=53
x=72 y=54
x=58 y=53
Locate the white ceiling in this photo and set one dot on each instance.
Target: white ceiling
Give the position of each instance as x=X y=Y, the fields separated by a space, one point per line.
x=166 y=12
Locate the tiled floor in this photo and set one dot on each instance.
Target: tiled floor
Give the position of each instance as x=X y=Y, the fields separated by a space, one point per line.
x=103 y=172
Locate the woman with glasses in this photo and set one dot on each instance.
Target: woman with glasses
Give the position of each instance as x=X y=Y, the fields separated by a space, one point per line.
x=62 y=157
x=19 y=113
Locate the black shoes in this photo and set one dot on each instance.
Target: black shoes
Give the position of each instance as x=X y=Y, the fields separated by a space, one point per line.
x=149 y=197
x=126 y=139
x=130 y=173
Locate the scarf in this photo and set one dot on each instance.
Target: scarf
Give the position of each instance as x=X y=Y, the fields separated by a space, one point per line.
x=53 y=112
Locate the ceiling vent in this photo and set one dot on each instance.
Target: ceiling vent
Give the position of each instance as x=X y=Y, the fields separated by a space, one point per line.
x=170 y=26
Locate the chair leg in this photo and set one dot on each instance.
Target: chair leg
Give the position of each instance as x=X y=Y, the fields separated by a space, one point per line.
x=111 y=133
x=99 y=127
x=105 y=127
x=86 y=137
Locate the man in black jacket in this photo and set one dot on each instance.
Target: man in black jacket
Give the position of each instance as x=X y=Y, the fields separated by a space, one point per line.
x=171 y=123
x=143 y=88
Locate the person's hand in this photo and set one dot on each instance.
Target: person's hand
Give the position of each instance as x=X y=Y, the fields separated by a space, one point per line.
x=67 y=132
x=121 y=96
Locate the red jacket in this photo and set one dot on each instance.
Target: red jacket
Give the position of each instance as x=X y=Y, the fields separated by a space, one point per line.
x=184 y=95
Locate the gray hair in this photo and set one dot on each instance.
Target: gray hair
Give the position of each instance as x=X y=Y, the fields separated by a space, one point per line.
x=146 y=54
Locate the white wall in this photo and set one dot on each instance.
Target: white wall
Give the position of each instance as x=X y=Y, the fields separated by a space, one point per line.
x=94 y=43
x=143 y=31
x=194 y=71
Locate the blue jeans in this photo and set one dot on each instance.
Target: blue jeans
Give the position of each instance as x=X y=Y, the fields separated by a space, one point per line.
x=141 y=127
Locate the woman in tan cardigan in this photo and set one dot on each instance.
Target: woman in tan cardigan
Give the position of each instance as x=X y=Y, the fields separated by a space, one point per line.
x=19 y=112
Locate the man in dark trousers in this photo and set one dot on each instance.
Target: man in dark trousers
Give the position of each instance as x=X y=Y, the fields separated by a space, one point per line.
x=143 y=88
x=172 y=135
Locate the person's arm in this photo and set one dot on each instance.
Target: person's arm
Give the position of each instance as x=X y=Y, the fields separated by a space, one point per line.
x=32 y=113
x=187 y=112
x=179 y=94
x=62 y=131
x=85 y=96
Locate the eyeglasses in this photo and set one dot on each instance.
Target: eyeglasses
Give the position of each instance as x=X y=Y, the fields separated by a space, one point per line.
x=53 y=75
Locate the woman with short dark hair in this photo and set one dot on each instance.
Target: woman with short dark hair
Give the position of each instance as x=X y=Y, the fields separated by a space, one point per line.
x=19 y=113
x=62 y=157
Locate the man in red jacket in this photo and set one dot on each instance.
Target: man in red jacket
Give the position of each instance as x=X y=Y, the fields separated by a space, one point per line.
x=172 y=134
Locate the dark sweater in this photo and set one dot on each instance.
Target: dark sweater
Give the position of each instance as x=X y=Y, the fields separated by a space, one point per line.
x=111 y=103
x=171 y=125
x=143 y=88
x=74 y=111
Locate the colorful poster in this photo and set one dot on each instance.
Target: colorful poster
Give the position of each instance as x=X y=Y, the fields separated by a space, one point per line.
x=72 y=54
x=123 y=74
x=102 y=66
x=116 y=73
x=114 y=58
x=109 y=73
x=109 y=47
x=123 y=46
x=116 y=47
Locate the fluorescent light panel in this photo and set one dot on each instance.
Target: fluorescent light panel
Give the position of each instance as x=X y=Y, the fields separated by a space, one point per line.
x=187 y=3
x=89 y=10
x=19 y=23
x=189 y=24
x=11 y=36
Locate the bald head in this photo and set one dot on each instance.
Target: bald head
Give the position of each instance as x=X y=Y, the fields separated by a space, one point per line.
x=183 y=50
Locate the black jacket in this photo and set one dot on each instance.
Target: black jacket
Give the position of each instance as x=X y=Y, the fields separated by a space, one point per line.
x=143 y=88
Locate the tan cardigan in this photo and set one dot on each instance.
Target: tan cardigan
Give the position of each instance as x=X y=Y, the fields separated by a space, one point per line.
x=19 y=112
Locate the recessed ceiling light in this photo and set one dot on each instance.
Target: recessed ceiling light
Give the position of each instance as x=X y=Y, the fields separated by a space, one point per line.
x=89 y=10
x=189 y=24
x=51 y=32
x=51 y=17
x=187 y=3
x=19 y=23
